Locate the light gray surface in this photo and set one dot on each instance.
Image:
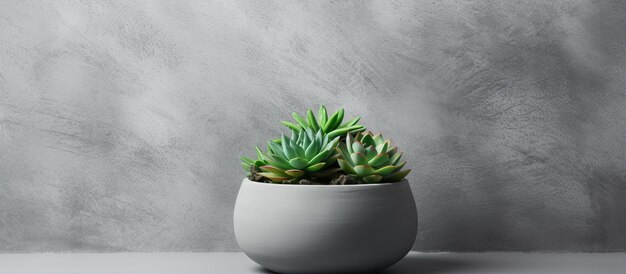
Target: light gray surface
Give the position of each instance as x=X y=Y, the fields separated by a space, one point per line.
x=325 y=228
x=238 y=263
x=121 y=121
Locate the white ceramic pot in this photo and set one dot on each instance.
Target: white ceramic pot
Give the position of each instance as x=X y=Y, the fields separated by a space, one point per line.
x=325 y=228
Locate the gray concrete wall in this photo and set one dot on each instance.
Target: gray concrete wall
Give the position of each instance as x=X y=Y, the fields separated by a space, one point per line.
x=121 y=122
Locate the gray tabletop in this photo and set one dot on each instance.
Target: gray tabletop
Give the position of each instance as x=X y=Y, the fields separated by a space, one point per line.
x=238 y=263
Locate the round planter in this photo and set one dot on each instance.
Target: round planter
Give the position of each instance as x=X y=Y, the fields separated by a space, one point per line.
x=325 y=228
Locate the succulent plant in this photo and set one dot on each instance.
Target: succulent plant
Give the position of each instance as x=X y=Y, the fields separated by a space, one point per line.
x=307 y=153
x=371 y=159
x=330 y=126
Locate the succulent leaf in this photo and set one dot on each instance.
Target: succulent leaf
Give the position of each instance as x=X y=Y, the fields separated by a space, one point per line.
x=315 y=167
x=396 y=176
x=358 y=158
x=332 y=144
x=332 y=122
x=372 y=179
x=344 y=130
x=310 y=133
x=339 y=118
x=300 y=120
x=331 y=159
x=319 y=137
x=295 y=173
x=322 y=115
x=363 y=170
x=274 y=177
x=273 y=169
x=298 y=149
x=344 y=155
x=385 y=170
x=378 y=139
x=379 y=159
x=276 y=149
x=347 y=167
x=290 y=125
x=298 y=162
x=312 y=122
x=370 y=152
x=349 y=144
x=351 y=122
x=382 y=147
x=393 y=160
x=246 y=160
x=358 y=147
x=311 y=150
x=277 y=162
x=286 y=148
x=259 y=154
x=367 y=140
x=320 y=156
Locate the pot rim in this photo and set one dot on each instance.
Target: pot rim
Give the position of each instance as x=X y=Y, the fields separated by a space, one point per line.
x=401 y=182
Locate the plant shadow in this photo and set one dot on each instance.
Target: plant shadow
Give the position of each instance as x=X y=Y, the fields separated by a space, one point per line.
x=262 y=270
x=432 y=265
x=418 y=265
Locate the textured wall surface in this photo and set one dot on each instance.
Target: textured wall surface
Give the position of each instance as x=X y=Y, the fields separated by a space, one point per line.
x=121 y=122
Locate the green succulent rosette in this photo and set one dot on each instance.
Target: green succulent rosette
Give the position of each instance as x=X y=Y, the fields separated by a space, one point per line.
x=307 y=153
x=371 y=159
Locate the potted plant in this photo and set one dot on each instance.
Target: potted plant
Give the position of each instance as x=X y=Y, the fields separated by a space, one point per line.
x=329 y=198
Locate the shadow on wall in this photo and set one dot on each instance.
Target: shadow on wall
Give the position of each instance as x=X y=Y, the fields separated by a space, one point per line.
x=607 y=181
x=522 y=106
